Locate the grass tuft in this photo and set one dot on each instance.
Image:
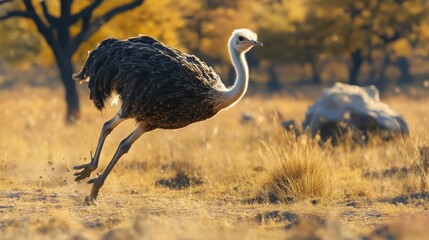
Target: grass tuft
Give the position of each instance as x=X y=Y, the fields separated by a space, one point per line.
x=297 y=170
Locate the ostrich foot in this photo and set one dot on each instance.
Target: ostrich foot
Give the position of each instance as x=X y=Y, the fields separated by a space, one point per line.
x=97 y=183
x=88 y=168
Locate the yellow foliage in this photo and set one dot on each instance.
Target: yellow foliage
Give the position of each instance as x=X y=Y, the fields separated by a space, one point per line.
x=401 y=48
x=424 y=29
x=160 y=19
x=22 y=43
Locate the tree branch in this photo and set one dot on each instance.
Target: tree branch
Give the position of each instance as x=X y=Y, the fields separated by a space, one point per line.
x=33 y=15
x=89 y=28
x=86 y=11
x=30 y=13
x=41 y=27
x=51 y=19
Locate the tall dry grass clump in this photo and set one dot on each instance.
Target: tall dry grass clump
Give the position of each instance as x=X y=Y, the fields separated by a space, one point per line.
x=298 y=169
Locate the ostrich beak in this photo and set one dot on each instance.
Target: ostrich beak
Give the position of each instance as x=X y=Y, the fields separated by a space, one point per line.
x=256 y=43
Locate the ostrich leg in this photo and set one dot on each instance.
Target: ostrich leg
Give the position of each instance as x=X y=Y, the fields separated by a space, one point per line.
x=123 y=148
x=89 y=167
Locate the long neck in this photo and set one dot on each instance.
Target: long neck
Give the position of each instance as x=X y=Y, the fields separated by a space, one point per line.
x=233 y=94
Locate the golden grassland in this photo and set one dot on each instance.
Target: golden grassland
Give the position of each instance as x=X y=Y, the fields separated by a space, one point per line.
x=211 y=180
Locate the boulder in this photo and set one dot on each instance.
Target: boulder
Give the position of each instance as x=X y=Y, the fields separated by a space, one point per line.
x=351 y=109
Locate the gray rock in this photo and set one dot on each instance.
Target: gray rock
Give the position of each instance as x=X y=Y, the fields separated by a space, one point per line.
x=351 y=109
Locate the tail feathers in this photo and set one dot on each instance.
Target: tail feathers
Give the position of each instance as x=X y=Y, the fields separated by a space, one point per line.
x=99 y=70
x=80 y=77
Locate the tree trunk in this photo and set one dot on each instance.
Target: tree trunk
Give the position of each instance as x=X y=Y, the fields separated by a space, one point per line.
x=381 y=82
x=315 y=73
x=372 y=75
x=356 y=63
x=273 y=83
x=404 y=67
x=65 y=67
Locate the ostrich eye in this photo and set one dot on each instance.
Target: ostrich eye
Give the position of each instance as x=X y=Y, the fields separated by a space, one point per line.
x=241 y=38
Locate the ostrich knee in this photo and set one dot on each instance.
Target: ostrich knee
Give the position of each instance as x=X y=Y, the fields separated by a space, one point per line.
x=107 y=129
x=124 y=146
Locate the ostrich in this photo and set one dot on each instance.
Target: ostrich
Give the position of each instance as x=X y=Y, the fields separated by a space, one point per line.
x=159 y=86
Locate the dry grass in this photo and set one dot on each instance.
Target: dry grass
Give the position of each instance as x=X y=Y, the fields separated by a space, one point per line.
x=298 y=169
x=196 y=182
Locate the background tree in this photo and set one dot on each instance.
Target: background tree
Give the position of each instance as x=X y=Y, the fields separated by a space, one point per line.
x=57 y=30
x=305 y=38
x=305 y=42
x=22 y=43
x=279 y=39
x=369 y=26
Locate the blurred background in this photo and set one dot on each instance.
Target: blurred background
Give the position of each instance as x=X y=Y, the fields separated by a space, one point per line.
x=306 y=42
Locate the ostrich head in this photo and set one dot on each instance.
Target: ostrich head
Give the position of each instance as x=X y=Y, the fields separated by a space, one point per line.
x=243 y=40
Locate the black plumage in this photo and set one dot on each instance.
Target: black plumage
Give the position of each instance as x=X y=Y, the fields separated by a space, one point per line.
x=158 y=85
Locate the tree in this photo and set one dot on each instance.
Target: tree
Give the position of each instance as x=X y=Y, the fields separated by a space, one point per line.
x=57 y=30
x=374 y=25
x=313 y=39
x=302 y=41
x=22 y=43
x=277 y=37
